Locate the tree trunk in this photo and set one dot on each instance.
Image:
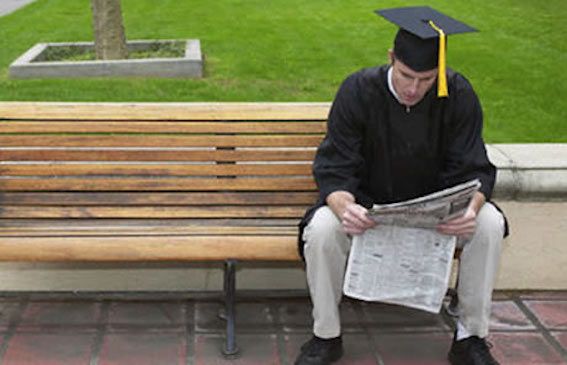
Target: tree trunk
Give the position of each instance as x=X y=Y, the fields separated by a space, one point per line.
x=110 y=41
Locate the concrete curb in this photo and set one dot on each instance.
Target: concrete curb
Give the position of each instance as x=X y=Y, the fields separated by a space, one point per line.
x=535 y=171
x=31 y=64
x=10 y=6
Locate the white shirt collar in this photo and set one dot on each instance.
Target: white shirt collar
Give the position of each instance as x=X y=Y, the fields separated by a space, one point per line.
x=391 y=87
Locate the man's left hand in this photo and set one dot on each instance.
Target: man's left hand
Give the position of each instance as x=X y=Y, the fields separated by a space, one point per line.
x=463 y=226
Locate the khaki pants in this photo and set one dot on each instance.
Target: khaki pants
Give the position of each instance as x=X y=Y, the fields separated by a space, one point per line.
x=326 y=253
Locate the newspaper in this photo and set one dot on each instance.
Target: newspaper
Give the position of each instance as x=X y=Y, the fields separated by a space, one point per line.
x=404 y=260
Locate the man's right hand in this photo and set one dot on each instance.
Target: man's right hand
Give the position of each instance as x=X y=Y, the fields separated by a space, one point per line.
x=354 y=217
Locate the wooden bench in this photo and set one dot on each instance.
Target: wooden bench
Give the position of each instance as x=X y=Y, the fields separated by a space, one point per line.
x=103 y=182
x=83 y=182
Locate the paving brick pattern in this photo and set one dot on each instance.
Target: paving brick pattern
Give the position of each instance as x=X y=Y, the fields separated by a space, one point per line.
x=526 y=328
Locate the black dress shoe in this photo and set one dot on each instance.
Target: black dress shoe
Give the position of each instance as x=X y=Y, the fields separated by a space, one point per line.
x=471 y=351
x=318 y=351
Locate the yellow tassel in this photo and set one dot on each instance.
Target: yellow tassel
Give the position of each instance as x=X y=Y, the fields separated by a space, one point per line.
x=442 y=90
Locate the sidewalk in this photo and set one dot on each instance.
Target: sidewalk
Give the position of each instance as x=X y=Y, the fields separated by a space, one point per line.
x=526 y=329
x=9 y=6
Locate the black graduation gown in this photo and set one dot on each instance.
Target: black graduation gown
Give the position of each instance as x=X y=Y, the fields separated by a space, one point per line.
x=382 y=152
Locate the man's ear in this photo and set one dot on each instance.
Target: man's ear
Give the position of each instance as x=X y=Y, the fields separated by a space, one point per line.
x=391 y=56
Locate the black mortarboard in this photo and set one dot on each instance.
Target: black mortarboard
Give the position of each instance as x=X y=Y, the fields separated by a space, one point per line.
x=420 y=43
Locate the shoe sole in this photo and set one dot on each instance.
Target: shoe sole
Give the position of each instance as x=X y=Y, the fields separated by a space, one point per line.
x=335 y=357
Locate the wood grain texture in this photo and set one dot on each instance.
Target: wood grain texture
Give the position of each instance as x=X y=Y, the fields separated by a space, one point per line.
x=164 y=111
x=158 y=154
x=126 y=199
x=113 y=224
x=157 y=184
x=127 y=141
x=160 y=126
x=155 y=181
x=153 y=212
x=149 y=248
x=51 y=169
x=125 y=230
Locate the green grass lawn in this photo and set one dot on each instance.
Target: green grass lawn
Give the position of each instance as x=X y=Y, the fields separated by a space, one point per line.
x=297 y=50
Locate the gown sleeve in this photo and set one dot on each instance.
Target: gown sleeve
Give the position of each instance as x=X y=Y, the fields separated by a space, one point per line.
x=465 y=155
x=338 y=161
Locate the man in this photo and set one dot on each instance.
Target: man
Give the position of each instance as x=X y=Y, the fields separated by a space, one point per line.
x=392 y=136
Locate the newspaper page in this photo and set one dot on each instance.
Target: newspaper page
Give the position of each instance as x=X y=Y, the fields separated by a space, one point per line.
x=404 y=260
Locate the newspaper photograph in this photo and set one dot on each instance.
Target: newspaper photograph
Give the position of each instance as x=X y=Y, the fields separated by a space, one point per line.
x=404 y=260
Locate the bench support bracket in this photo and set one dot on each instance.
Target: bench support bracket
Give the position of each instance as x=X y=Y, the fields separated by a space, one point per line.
x=230 y=349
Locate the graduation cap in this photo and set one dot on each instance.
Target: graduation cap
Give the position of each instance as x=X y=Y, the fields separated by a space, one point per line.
x=421 y=41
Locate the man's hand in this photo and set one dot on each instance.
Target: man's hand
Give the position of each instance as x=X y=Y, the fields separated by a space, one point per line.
x=355 y=219
x=353 y=216
x=465 y=225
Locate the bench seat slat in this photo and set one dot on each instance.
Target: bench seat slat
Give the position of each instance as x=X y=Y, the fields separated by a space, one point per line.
x=158 y=154
x=74 y=224
x=31 y=169
x=153 y=212
x=156 y=199
x=77 y=126
x=121 y=230
x=153 y=184
x=149 y=248
x=135 y=140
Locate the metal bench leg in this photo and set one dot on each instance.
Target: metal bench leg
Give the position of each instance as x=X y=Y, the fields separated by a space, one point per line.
x=453 y=306
x=230 y=349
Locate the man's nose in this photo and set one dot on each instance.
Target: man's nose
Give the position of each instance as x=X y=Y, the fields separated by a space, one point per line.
x=413 y=86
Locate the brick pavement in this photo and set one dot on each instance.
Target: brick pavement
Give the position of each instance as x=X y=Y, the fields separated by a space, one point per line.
x=526 y=328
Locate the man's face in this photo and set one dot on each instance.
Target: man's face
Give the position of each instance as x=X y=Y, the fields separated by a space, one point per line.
x=411 y=86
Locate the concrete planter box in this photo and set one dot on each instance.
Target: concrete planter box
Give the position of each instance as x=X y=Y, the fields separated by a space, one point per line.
x=32 y=64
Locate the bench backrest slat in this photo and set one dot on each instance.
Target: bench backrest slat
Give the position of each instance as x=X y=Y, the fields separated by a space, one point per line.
x=120 y=169
x=159 y=126
x=153 y=212
x=156 y=184
x=153 y=141
x=164 y=111
x=171 y=155
x=157 y=198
